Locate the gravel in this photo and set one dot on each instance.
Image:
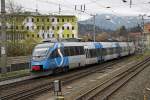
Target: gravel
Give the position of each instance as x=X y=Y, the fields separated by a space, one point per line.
x=134 y=89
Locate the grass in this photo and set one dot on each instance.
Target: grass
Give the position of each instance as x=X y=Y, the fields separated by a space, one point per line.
x=141 y=56
x=14 y=74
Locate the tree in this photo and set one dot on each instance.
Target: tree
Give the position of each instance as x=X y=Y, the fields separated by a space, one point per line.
x=102 y=37
x=13 y=8
x=136 y=29
x=123 y=31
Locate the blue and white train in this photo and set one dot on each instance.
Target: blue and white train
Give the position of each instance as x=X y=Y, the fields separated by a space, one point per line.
x=50 y=57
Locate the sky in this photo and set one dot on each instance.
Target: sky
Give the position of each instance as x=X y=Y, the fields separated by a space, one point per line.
x=92 y=7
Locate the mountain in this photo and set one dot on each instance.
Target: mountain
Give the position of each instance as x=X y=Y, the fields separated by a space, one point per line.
x=112 y=22
x=88 y=29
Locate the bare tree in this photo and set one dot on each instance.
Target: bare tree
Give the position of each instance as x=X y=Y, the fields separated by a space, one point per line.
x=12 y=7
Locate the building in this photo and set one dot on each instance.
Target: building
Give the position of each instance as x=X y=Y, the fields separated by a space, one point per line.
x=136 y=37
x=147 y=34
x=23 y=26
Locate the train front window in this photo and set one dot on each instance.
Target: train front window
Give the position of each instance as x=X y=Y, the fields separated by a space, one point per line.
x=40 y=52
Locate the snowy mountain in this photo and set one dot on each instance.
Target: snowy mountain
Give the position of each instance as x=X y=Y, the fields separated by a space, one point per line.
x=109 y=21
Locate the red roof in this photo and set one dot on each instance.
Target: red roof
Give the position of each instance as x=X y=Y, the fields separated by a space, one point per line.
x=135 y=34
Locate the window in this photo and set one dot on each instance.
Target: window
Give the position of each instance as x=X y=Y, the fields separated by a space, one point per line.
x=53 y=28
x=42 y=19
x=72 y=51
x=0 y=27
x=32 y=35
x=37 y=19
x=63 y=35
x=43 y=28
x=58 y=35
x=72 y=27
x=57 y=19
x=72 y=35
x=38 y=36
x=72 y=20
x=63 y=28
x=48 y=36
x=66 y=51
x=11 y=27
x=54 y=54
x=52 y=35
x=47 y=19
x=22 y=27
x=43 y=35
x=27 y=20
x=104 y=51
x=32 y=19
x=63 y=20
x=67 y=27
x=28 y=35
x=67 y=35
x=47 y=27
x=32 y=27
x=16 y=27
x=67 y=20
x=38 y=27
x=53 y=19
x=57 y=27
x=27 y=27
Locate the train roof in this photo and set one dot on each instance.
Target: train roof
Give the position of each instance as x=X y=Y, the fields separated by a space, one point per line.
x=105 y=44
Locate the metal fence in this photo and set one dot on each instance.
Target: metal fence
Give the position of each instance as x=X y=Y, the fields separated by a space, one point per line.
x=17 y=63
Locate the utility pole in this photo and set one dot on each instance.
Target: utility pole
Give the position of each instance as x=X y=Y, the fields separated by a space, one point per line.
x=3 y=35
x=130 y=3
x=94 y=27
x=143 y=35
x=126 y=1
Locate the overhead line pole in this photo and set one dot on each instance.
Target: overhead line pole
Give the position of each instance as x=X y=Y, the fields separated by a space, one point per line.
x=94 y=26
x=3 y=37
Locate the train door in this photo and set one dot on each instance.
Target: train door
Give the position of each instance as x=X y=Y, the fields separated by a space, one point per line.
x=98 y=48
x=86 y=50
x=118 y=50
x=128 y=47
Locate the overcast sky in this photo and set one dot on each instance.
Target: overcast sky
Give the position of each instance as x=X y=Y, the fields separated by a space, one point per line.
x=91 y=7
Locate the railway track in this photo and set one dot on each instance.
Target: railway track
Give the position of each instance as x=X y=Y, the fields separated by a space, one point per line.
x=106 y=89
x=25 y=94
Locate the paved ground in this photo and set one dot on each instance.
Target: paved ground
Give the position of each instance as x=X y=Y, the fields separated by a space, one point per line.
x=134 y=89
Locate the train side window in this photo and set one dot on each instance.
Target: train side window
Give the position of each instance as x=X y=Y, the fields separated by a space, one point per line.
x=98 y=51
x=104 y=51
x=81 y=50
x=66 y=51
x=62 y=51
x=72 y=51
x=53 y=54
x=90 y=53
x=87 y=53
x=77 y=50
x=94 y=53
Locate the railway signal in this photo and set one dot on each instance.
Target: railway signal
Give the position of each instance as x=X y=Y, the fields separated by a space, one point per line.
x=57 y=90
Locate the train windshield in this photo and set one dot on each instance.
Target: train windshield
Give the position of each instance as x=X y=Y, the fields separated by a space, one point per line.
x=40 y=52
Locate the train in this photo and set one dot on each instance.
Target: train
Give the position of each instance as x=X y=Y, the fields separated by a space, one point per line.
x=50 y=57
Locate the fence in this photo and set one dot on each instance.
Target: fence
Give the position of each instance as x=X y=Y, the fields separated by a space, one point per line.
x=17 y=63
